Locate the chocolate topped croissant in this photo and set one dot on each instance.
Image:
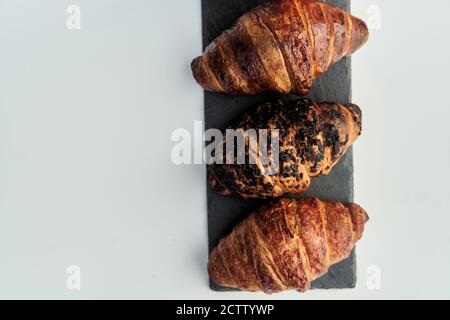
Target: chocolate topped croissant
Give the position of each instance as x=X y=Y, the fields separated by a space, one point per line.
x=311 y=138
x=286 y=245
x=280 y=47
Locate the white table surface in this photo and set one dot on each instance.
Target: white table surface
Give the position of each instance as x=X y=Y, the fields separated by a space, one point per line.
x=85 y=172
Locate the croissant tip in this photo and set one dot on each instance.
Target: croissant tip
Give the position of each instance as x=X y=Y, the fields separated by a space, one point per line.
x=194 y=63
x=366 y=34
x=355 y=109
x=195 y=67
x=363 y=212
x=360 y=34
x=357 y=114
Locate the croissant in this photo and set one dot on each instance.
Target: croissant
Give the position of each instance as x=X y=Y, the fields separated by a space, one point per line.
x=280 y=47
x=287 y=245
x=312 y=138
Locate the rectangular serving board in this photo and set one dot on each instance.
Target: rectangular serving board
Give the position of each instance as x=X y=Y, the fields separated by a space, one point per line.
x=335 y=85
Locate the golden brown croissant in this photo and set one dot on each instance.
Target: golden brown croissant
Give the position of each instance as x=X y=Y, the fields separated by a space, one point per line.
x=287 y=245
x=312 y=138
x=279 y=47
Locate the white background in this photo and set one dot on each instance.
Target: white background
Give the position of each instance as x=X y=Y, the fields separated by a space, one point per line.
x=85 y=171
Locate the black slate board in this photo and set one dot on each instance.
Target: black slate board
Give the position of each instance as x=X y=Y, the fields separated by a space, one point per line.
x=225 y=212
